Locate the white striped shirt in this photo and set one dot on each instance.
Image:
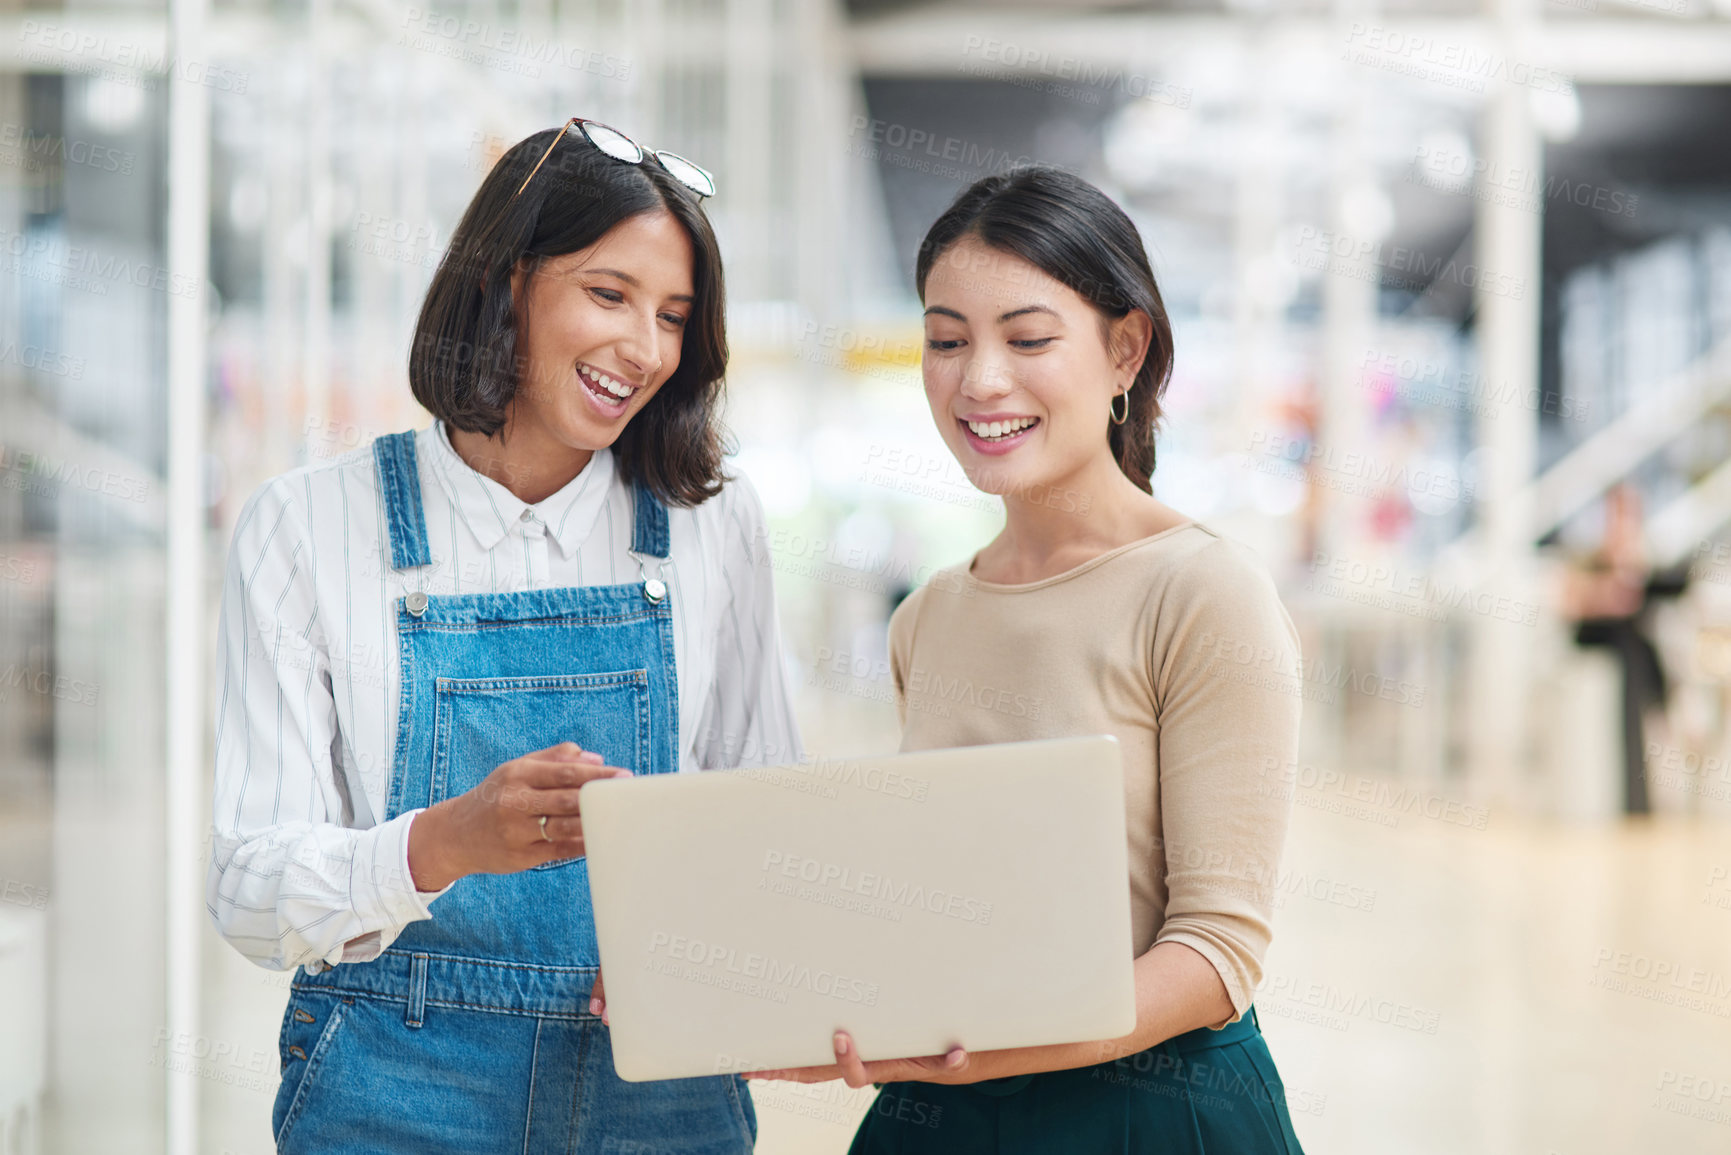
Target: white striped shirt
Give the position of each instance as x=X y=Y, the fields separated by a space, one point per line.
x=302 y=869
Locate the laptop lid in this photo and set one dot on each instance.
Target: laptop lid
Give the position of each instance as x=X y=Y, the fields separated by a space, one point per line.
x=975 y=896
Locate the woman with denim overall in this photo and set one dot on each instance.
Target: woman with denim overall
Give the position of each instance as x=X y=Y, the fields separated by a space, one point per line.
x=578 y=311
x=1097 y=609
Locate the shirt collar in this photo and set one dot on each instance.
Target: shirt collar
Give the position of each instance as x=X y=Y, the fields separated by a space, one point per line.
x=491 y=511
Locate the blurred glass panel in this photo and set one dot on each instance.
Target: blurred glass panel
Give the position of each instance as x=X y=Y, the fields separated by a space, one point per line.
x=82 y=301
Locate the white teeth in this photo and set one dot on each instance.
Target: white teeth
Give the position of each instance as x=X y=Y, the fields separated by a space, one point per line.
x=607 y=382
x=994 y=429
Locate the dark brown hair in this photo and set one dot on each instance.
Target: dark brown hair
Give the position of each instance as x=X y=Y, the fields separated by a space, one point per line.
x=464 y=366
x=1075 y=234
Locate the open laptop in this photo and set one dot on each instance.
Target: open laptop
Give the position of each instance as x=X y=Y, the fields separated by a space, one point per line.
x=976 y=896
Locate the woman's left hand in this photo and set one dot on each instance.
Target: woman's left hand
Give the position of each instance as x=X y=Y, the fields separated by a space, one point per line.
x=951 y=1067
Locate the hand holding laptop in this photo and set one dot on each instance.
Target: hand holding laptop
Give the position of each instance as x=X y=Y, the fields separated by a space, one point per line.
x=849 y=1067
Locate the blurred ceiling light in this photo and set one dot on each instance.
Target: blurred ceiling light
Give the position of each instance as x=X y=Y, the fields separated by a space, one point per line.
x=1210 y=72
x=1141 y=141
x=1271 y=281
x=1445 y=160
x=1556 y=112
x=247 y=201
x=1299 y=78
x=1367 y=212
x=111 y=106
x=1433 y=485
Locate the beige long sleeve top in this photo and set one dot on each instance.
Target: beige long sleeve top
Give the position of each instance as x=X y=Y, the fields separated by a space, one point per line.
x=1178 y=645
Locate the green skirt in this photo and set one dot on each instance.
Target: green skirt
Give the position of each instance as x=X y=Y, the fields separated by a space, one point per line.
x=1202 y=1093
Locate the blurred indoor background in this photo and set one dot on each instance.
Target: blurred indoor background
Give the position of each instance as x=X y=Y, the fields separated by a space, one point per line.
x=1451 y=284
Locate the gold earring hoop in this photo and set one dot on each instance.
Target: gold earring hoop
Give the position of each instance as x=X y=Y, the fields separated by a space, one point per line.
x=1112 y=408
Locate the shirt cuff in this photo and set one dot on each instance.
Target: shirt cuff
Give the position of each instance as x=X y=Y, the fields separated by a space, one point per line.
x=381 y=889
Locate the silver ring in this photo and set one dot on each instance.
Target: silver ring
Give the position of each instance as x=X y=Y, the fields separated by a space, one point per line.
x=544 y=827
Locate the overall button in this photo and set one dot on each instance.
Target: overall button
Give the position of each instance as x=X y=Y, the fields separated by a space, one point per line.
x=416 y=603
x=654 y=589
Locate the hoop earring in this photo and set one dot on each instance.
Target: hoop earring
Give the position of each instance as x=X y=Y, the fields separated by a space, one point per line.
x=1113 y=408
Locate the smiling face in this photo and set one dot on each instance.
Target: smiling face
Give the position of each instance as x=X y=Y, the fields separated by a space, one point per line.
x=603 y=332
x=1020 y=370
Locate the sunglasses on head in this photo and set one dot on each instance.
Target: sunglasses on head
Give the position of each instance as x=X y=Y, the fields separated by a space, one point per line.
x=621 y=147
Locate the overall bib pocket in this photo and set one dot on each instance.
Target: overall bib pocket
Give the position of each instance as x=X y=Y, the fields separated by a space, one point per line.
x=481 y=723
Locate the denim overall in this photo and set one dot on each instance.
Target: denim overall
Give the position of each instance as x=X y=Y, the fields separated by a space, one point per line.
x=472 y=1032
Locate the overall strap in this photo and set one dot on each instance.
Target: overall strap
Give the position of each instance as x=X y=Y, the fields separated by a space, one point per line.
x=649 y=535
x=400 y=483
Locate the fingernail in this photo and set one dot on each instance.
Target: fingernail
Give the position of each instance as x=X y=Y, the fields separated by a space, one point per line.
x=955 y=1059
x=604 y=1019
x=840 y=1043
x=594 y=1006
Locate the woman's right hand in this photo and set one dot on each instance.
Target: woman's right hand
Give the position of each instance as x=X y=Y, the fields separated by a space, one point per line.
x=496 y=827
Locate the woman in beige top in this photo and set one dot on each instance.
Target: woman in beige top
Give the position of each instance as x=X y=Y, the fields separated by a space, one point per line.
x=1097 y=609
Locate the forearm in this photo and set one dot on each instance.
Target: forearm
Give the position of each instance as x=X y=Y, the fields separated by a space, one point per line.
x=1177 y=990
